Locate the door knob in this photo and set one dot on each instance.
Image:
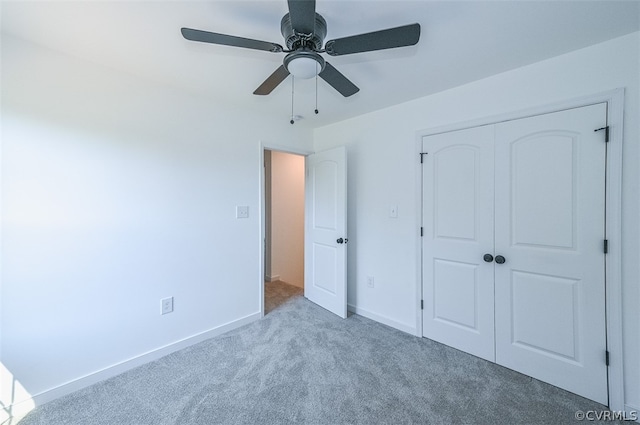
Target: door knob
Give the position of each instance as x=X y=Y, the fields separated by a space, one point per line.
x=500 y=259
x=488 y=258
x=340 y=240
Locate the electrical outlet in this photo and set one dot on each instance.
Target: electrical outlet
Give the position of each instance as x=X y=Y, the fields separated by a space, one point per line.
x=370 y=281
x=166 y=305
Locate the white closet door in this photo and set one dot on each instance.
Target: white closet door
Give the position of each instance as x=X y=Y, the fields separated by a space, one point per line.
x=458 y=231
x=549 y=226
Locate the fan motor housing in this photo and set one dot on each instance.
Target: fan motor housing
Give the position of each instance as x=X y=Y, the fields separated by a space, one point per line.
x=294 y=40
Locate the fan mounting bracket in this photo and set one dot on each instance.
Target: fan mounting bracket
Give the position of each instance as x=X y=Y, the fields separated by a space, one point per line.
x=295 y=40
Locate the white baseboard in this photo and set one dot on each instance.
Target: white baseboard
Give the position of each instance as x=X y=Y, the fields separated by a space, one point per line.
x=118 y=368
x=272 y=278
x=382 y=319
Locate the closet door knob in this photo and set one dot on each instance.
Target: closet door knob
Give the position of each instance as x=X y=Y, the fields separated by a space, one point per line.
x=488 y=258
x=340 y=240
x=500 y=259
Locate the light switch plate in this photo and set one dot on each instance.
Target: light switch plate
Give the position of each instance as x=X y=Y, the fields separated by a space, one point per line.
x=242 y=211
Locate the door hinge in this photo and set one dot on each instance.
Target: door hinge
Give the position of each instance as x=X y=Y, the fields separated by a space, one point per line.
x=606 y=357
x=606 y=133
x=421 y=304
x=421 y=231
x=422 y=154
x=606 y=246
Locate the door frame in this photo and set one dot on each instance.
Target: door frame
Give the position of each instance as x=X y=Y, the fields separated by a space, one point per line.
x=613 y=219
x=262 y=196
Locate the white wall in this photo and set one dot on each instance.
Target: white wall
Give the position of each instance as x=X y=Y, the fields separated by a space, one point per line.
x=383 y=171
x=116 y=193
x=287 y=217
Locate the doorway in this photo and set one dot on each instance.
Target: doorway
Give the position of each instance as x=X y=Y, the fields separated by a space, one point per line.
x=284 y=228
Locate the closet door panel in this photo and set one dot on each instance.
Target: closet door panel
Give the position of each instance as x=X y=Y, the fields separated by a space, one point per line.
x=458 y=231
x=549 y=203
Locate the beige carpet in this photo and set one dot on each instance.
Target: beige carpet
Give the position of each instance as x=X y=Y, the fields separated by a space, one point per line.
x=277 y=293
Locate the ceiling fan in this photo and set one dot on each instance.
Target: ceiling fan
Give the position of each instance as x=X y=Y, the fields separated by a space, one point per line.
x=304 y=31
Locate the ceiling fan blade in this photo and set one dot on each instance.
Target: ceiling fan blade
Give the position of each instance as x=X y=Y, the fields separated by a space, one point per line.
x=272 y=81
x=407 y=35
x=303 y=15
x=338 y=81
x=229 y=40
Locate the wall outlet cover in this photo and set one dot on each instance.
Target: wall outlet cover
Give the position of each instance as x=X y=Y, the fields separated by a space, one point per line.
x=242 y=211
x=166 y=305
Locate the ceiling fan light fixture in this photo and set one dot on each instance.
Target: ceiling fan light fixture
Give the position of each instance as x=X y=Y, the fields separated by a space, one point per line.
x=304 y=31
x=304 y=64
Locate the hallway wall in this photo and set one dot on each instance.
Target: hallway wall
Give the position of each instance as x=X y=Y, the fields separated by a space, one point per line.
x=287 y=218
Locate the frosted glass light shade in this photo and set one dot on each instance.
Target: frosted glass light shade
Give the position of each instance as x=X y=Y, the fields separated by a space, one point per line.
x=303 y=67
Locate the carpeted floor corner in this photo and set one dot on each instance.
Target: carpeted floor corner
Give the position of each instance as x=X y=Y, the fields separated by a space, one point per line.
x=303 y=365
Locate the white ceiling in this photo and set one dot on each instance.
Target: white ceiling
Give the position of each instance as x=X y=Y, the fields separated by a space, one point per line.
x=461 y=41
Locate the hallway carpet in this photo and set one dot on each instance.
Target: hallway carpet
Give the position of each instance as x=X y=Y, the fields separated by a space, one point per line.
x=277 y=293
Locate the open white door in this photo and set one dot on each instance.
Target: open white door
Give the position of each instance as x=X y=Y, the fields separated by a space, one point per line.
x=325 y=250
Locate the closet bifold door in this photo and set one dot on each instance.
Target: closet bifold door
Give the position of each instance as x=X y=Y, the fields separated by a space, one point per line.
x=458 y=229
x=549 y=215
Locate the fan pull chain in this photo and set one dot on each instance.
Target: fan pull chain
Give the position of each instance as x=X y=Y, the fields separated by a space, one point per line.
x=292 y=87
x=316 y=110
